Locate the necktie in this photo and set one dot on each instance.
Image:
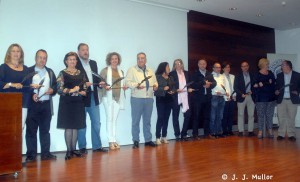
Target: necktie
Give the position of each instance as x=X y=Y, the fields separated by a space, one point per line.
x=203 y=73
x=247 y=80
x=147 y=81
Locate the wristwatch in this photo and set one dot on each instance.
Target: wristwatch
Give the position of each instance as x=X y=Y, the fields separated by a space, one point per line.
x=9 y=84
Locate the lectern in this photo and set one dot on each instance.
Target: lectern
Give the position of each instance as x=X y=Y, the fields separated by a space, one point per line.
x=10 y=133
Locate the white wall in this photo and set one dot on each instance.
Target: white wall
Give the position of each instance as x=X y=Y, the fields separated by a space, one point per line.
x=288 y=42
x=108 y=25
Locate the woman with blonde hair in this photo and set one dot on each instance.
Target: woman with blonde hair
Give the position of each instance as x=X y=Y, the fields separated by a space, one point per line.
x=180 y=99
x=15 y=77
x=112 y=96
x=264 y=94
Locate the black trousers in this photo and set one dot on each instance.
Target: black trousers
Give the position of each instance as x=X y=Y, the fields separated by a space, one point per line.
x=39 y=117
x=201 y=111
x=163 y=114
x=228 y=116
x=175 y=115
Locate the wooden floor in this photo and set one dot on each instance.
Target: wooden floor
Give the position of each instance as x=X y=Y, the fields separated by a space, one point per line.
x=202 y=160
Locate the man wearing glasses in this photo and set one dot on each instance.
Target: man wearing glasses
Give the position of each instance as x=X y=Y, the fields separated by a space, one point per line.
x=287 y=90
x=243 y=88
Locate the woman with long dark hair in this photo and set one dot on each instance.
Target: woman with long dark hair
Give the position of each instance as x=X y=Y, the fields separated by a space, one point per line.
x=164 y=101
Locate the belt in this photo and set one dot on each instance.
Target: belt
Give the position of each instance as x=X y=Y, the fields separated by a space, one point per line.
x=217 y=95
x=42 y=101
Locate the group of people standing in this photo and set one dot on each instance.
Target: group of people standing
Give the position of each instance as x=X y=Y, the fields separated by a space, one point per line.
x=209 y=96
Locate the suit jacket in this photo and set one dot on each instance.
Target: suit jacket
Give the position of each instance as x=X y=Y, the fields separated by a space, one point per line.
x=53 y=85
x=295 y=86
x=174 y=75
x=199 y=82
x=240 y=87
x=94 y=68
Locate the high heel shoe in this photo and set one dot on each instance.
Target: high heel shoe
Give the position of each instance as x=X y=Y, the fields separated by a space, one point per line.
x=68 y=155
x=76 y=153
x=112 y=146
x=116 y=145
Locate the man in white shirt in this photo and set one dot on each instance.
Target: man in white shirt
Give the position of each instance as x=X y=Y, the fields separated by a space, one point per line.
x=40 y=109
x=88 y=66
x=287 y=90
x=217 y=102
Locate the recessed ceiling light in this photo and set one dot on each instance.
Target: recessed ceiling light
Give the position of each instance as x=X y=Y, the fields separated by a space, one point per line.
x=259 y=15
x=200 y=0
x=232 y=9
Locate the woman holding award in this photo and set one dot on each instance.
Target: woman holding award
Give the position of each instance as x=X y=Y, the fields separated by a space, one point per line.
x=112 y=95
x=71 y=111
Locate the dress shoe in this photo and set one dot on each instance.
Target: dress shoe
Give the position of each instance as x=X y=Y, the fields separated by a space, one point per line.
x=221 y=135
x=112 y=146
x=83 y=151
x=292 y=138
x=271 y=136
x=135 y=145
x=77 y=153
x=251 y=134
x=101 y=149
x=150 y=144
x=230 y=133
x=48 y=156
x=259 y=136
x=280 y=138
x=68 y=155
x=241 y=134
x=195 y=138
x=158 y=142
x=185 y=139
x=164 y=140
x=211 y=137
x=177 y=139
x=30 y=159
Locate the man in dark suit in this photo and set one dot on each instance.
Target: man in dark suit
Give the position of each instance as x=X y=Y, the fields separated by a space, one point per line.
x=40 y=109
x=88 y=66
x=203 y=82
x=287 y=90
x=243 y=88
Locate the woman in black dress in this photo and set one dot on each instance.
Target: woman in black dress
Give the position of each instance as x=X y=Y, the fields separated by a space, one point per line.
x=71 y=113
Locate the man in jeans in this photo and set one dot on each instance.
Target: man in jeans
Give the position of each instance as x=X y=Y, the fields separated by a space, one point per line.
x=217 y=102
x=88 y=66
x=142 y=82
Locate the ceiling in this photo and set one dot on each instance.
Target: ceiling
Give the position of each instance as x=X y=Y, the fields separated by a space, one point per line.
x=277 y=14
